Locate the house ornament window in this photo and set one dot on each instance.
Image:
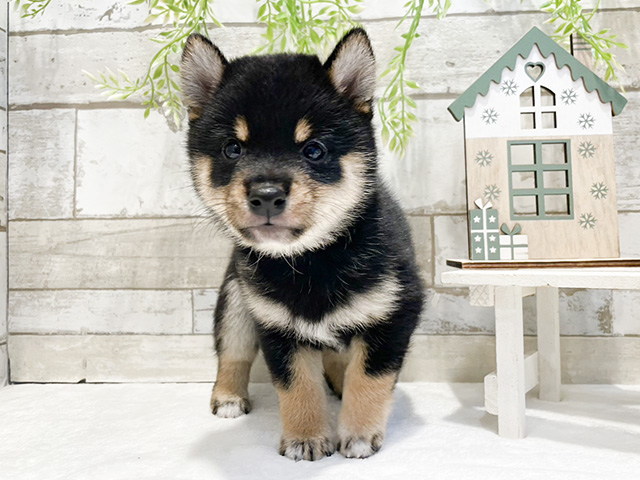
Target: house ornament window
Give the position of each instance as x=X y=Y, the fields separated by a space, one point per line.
x=538 y=108
x=540 y=180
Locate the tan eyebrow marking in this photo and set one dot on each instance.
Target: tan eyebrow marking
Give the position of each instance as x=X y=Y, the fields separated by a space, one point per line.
x=303 y=131
x=242 y=128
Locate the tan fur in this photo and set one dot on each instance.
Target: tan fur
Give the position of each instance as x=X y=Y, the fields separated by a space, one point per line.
x=363 y=107
x=366 y=401
x=302 y=131
x=335 y=364
x=242 y=128
x=194 y=113
x=320 y=210
x=233 y=379
x=303 y=404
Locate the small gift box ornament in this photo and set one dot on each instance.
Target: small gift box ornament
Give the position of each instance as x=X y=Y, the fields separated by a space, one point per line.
x=483 y=225
x=513 y=246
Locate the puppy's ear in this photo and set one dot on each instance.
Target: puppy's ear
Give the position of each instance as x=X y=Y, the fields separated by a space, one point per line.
x=352 y=68
x=202 y=68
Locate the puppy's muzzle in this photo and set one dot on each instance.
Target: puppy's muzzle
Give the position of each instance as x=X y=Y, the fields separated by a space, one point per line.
x=267 y=199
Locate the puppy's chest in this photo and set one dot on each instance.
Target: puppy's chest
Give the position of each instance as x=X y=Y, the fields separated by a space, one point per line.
x=321 y=310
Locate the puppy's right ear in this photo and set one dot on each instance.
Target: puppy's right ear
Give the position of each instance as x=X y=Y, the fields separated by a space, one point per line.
x=201 y=69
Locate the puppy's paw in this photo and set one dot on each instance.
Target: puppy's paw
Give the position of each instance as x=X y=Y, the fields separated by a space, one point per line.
x=228 y=406
x=355 y=446
x=306 y=448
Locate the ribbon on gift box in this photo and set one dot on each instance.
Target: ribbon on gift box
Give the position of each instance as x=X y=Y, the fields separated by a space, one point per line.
x=514 y=231
x=484 y=236
x=513 y=246
x=481 y=205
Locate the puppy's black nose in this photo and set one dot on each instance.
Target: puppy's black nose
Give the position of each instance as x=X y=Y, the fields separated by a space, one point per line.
x=267 y=200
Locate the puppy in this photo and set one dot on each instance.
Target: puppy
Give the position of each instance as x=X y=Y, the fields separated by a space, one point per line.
x=323 y=277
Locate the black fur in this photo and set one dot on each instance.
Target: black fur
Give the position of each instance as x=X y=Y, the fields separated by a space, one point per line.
x=369 y=244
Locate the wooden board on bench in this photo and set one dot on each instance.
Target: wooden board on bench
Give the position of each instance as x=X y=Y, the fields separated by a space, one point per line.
x=565 y=263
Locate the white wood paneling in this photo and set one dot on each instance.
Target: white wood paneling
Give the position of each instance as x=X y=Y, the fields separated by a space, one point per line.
x=41 y=163
x=430 y=178
x=451 y=236
x=100 y=311
x=443 y=61
x=437 y=358
x=548 y=343
x=626 y=136
x=4 y=365
x=164 y=253
x=204 y=304
x=131 y=167
x=625 y=312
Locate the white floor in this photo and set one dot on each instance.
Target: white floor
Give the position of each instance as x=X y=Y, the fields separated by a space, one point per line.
x=436 y=431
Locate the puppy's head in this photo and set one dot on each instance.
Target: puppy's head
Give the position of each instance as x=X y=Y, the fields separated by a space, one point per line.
x=281 y=146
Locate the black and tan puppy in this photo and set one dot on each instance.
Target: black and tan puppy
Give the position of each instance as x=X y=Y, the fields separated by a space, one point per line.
x=323 y=276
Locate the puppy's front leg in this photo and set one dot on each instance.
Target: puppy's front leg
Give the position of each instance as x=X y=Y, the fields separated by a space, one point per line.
x=298 y=378
x=366 y=404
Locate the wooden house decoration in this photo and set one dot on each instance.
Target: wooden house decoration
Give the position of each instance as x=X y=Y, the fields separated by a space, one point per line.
x=539 y=156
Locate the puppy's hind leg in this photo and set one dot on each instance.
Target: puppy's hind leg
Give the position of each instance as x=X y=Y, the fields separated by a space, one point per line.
x=335 y=363
x=236 y=346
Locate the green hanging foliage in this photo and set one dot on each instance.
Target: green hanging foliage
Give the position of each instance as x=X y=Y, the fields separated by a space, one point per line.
x=314 y=26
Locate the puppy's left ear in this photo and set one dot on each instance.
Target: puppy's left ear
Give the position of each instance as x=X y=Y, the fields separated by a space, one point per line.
x=352 y=68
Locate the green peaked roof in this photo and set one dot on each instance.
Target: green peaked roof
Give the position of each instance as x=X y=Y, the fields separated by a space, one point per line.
x=547 y=47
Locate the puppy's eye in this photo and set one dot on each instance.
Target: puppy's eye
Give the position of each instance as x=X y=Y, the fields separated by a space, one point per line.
x=314 y=151
x=232 y=149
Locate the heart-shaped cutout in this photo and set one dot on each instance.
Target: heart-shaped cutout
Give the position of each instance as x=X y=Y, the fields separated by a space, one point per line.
x=534 y=70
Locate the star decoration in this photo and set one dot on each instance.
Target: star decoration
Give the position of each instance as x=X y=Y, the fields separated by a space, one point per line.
x=492 y=238
x=476 y=219
x=492 y=219
x=477 y=238
x=478 y=250
x=492 y=250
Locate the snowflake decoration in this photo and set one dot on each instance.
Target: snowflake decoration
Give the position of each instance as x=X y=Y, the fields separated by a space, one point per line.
x=492 y=192
x=489 y=116
x=509 y=87
x=586 y=121
x=569 y=96
x=587 y=221
x=586 y=149
x=599 y=190
x=484 y=158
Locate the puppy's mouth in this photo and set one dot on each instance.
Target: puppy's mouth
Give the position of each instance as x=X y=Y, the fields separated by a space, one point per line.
x=269 y=232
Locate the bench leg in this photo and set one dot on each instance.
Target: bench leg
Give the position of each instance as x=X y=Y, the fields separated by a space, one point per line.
x=548 y=343
x=510 y=362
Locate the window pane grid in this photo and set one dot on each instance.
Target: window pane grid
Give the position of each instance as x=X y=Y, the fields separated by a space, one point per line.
x=540 y=192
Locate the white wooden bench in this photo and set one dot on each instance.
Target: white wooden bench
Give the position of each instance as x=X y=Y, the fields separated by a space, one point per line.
x=516 y=374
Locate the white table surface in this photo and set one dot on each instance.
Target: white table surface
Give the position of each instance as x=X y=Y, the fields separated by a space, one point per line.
x=606 y=278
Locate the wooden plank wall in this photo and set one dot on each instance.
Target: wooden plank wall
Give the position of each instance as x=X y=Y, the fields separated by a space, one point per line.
x=113 y=270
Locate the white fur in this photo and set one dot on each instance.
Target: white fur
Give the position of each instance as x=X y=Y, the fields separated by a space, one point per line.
x=238 y=331
x=363 y=310
x=230 y=410
x=331 y=214
x=358 y=449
